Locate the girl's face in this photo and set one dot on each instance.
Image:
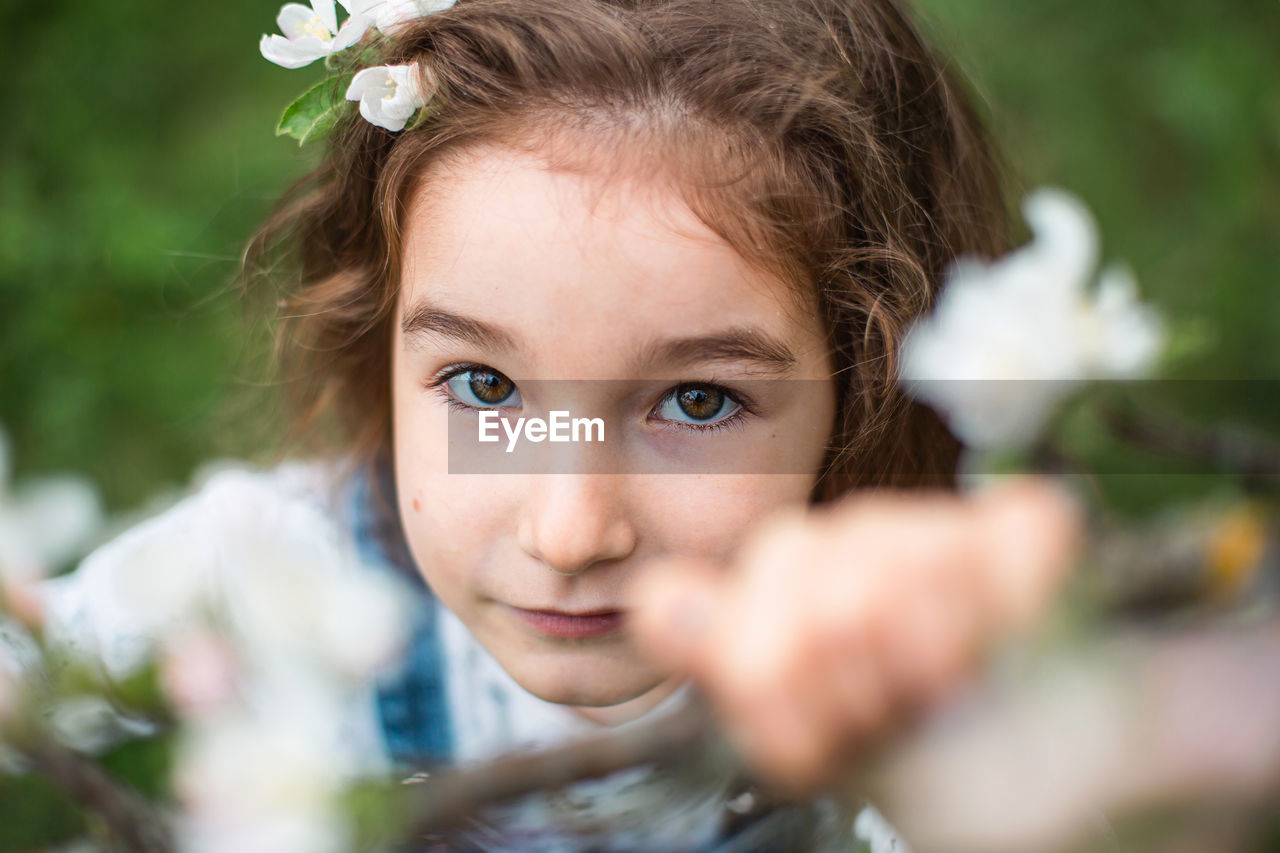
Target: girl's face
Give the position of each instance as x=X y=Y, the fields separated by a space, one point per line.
x=513 y=274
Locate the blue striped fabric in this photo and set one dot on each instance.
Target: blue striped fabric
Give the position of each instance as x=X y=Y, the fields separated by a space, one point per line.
x=412 y=701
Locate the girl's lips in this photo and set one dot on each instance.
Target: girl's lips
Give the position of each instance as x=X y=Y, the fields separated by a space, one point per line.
x=572 y=626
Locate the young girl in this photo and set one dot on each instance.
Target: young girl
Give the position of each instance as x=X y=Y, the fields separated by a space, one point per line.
x=707 y=223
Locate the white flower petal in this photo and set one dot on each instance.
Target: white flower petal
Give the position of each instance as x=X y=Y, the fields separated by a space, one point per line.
x=367 y=81
x=372 y=113
x=1008 y=340
x=388 y=94
x=1132 y=334
x=316 y=830
x=362 y=623
x=406 y=83
x=328 y=15
x=255 y=766
x=61 y=515
x=360 y=7
x=353 y=29
x=90 y=723
x=292 y=54
x=163 y=578
x=391 y=15
x=297 y=21
x=1066 y=237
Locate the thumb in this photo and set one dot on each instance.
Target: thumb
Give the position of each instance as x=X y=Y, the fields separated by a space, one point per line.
x=674 y=604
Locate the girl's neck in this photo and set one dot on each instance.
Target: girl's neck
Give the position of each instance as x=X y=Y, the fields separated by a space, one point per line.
x=625 y=712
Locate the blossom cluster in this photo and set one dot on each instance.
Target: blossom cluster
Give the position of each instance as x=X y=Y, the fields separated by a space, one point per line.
x=249 y=610
x=1009 y=339
x=389 y=95
x=266 y=630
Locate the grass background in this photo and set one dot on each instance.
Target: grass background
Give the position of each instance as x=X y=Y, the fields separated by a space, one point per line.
x=137 y=156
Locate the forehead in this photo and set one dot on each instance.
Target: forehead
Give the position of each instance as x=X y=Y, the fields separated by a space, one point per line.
x=581 y=268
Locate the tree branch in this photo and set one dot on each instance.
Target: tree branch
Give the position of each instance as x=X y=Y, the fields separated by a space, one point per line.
x=1247 y=455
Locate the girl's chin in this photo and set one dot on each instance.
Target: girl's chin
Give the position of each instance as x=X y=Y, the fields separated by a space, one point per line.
x=608 y=704
x=585 y=695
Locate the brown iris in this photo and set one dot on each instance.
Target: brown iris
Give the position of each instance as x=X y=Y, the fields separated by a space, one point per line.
x=490 y=387
x=699 y=402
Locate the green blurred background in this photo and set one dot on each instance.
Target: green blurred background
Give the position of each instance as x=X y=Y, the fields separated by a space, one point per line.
x=137 y=156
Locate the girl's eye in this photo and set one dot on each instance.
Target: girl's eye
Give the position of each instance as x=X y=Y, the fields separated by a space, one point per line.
x=698 y=406
x=483 y=388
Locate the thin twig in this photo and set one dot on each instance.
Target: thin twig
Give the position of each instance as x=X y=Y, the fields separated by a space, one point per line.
x=446 y=799
x=1249 y=456
x=1136 y=723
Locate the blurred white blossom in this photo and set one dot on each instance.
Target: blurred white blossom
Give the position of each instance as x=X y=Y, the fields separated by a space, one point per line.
x=1009 y=339
x=268 y=629
x=390 y=15
x=311 y=33
x=389 y=95
x=44 y=523
x=261 y=782
x=164 y=580
x=90 y=723
x=198 y=672
x=272 y=575
x=83 y=722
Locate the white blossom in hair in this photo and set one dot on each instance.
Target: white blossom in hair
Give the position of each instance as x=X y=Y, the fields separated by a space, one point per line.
x=311 y=33
x=389 y=95
x=391 y=15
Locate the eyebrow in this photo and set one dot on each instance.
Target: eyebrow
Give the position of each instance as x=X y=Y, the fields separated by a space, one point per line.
x=424 y=320
x=734 y=345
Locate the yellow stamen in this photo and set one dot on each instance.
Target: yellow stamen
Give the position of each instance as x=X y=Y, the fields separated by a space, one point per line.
x=316 y=28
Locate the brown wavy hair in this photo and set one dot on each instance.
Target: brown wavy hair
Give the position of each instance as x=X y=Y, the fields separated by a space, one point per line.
x=823 y=139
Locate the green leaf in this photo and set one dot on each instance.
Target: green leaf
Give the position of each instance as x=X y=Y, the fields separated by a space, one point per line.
x=36 y=814
x=145 y=764
x=315 y=112
x=420 y=117
x=142 y=691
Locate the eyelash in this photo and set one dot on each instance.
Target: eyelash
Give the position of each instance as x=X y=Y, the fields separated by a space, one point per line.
x=439 y=384
x=737 y=419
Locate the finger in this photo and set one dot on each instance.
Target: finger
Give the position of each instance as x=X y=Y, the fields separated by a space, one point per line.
x=673 y=608
x=929 y=642
x=1033 y=529
x=782 y=741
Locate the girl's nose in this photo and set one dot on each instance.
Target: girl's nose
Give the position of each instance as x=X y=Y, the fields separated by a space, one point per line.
x=573 y=521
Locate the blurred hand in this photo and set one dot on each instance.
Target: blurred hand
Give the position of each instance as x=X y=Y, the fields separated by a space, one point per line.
x=836 y=624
